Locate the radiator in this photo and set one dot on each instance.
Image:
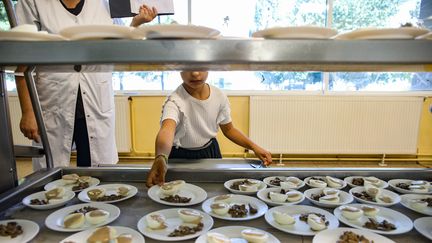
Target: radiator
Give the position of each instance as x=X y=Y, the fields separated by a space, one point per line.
x=335 y=124
x=122 y=130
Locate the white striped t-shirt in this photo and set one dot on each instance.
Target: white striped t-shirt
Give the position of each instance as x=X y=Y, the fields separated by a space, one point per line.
x=197 y=121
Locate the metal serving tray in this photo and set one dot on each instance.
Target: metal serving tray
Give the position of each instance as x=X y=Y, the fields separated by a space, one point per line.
x=208 y=174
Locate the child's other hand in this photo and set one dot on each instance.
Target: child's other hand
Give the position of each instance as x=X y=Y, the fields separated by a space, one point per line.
x=263 y=155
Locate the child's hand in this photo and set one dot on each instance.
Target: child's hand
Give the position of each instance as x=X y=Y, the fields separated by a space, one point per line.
x=263 y=155
x=156 y=175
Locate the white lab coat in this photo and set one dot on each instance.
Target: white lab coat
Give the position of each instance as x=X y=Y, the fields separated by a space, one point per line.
x=58 y=91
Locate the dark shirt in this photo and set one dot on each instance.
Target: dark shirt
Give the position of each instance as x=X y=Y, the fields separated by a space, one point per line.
x=79 y=109
x=75 y=11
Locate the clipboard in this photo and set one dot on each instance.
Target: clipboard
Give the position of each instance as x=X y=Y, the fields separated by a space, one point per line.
x=130 y=8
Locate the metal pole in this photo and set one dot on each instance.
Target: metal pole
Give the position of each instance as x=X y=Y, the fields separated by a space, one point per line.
x=10 y=13
x=38 y=114
x=8 y=174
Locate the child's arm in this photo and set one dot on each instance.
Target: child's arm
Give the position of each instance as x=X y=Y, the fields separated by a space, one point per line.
x=164 y=142
x=240 y=139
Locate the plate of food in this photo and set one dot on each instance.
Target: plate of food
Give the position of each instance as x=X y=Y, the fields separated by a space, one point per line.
x=276 y=196
x=375 y=196
x=112 y=233
x=177 y=193
x=377 y=219
x=237 y=234
x=234 y=207
x=424 y=226
x=382 y=33
x=325 y=181
x=82 y=217
x=354 y=181
x=73 y=182
x=244 y=186
x=28 y=32
x=176 y=31
x=18 y=230
x=417 y=202
x=296 y=32
x=284 y=182
x=97 y=32
x=407 y=186
x=108 y=193
x=300 y=219
x=342 y=235
x=328 y=197
x=49 y=199
x=175 y=224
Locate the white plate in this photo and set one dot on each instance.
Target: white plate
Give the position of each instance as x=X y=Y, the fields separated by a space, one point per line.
x=196 y=193
x=69 y=195
x=30 y=230
x=54 y=221
x=427 y=36
x=299 y=227
x=424 y=226
x=97 y=32
x=349 y=179
x=237 y=199
x=268 y=179
x=306 y=180
x=403 y=223
x=263 y=195
x=227 y=185
x=405 y=201
x=394 y=182
x=176 y=31
x=394 y=196
x=81 y=237
x=344 y=198
x=332 y=235
x=234 y=233
x=28 y=36
x=172 y=221
x=109 y=190
x=384 y=33
x=296 y=32
x=60 y=183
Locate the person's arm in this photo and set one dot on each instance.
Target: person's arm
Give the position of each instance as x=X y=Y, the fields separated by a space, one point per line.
x=240 y=139
x=145 y=15
x=164 y=142
x=28 y=124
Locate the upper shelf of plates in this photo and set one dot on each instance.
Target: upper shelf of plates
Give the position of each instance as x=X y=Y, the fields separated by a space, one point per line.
x=179 y=47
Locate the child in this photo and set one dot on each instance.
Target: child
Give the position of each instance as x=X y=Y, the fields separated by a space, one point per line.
x=191 y=117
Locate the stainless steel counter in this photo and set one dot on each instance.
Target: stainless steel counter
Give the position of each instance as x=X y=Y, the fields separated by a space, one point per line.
x=208 y=174
x=224 y=55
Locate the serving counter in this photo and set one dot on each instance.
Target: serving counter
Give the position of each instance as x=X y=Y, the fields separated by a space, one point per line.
x=207 y=174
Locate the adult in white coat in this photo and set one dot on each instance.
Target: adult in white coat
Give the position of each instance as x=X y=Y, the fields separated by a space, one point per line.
x=58 y=92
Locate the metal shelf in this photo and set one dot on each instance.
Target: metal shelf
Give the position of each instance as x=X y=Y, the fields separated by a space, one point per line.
x=232 y=54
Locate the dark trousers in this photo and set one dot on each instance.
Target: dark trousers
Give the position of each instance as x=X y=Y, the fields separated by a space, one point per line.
x=80 y=135
x=210 y=150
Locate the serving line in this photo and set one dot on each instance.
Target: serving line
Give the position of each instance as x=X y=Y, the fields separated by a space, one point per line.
x=136 y=207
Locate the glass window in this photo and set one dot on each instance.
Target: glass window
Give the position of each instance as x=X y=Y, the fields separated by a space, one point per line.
x=351 y=15
x=376 y=81
x=255 y=15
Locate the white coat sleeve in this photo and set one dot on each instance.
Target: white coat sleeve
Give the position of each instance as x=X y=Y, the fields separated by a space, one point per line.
x=26 y=12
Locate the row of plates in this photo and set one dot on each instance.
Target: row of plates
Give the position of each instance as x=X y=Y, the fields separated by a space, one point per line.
x=403 y=224
x=85 y=32
x=198 y=195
